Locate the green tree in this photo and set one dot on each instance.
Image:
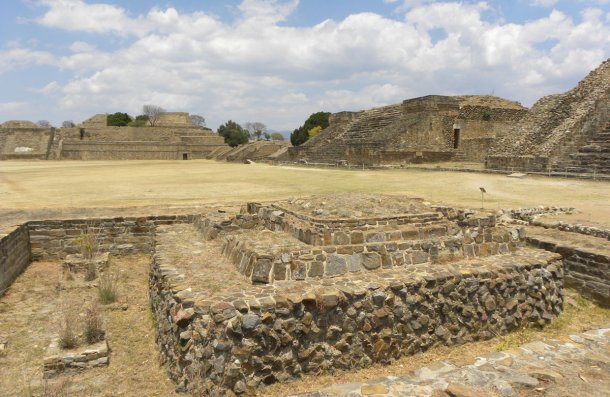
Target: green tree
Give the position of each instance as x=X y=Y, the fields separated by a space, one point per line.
x=276 y=136
x=118 y=119
x=301 y=134
x=233 y=133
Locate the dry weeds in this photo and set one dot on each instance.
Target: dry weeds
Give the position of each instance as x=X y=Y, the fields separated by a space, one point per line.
x=30 y=305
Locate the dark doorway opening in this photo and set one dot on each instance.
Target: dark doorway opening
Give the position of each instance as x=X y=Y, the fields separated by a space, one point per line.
x=185 y=156
x=456 y=138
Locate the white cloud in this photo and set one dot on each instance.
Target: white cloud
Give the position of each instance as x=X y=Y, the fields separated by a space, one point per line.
x=81 y=46
x=13 y=107
x=76 y=15
x=543 y=3
x=17 y=57
x=256 y=68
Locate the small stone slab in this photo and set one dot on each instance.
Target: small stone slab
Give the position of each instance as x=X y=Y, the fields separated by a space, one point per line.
x=518 y=175
x=90 y=356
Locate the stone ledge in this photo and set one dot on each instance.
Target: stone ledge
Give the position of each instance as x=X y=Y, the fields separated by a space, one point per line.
x=58 y=361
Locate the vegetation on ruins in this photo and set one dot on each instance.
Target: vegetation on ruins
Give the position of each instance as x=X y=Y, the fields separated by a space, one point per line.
x=68 y=124
x=67 y=334
x=108 y=288
x=153 y=112
x=233 y=133
x=314 y=131
x=94 y=327
x=139 y=121
x=198 y=120
x=256 y=129
x=276 y=136
x=301 y=134
x=118 y=119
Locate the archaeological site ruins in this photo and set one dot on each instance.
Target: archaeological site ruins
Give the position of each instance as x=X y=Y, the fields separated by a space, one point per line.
x=344 y=281
x=244 y=298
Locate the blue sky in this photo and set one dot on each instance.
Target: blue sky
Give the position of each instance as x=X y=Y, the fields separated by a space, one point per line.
x=277 y=61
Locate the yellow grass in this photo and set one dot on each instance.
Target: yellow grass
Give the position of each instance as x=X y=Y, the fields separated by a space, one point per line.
x=111 y=184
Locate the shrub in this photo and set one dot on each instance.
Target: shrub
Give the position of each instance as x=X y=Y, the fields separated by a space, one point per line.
x=107 y=288
x=94 y=331
x=487 y=115
x=67 y=336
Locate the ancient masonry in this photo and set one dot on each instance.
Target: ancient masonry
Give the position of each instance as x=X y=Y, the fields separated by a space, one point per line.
x=567 y=132
x=305 y=286
x=426 y=129
x=174 y=137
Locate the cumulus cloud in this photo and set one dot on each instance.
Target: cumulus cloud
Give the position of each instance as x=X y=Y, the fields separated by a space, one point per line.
x=76 y=15
x=13 y=107
x=543 y=3
x=17 y=57
x=258 y=68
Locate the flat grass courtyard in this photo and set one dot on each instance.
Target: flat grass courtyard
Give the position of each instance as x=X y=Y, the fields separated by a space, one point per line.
x=36 y=189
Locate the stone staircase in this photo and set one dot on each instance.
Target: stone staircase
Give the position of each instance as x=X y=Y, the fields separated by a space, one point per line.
x=372 y=120
x=592 y=157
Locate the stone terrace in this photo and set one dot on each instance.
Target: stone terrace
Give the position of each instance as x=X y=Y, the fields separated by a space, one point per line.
x=246 y=300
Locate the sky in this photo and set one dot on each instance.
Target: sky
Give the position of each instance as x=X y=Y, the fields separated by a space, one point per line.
x=278 y=61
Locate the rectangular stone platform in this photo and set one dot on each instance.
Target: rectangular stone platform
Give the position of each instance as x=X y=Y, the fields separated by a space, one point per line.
x=239 y=336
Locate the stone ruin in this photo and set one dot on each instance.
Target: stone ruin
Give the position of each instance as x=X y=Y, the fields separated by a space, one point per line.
x=567 y=133
x=337 y=282
x=430 y=128
x=243 y=299
x=174 y=137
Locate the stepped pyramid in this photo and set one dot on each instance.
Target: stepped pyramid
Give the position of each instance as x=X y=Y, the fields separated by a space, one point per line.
x=430 y=128
x=563 y=132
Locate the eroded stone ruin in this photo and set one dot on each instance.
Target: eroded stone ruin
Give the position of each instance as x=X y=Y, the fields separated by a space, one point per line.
x=567 y=132
x=314 y=287
x=174 y=137
x=304 y=286
x=430 y=128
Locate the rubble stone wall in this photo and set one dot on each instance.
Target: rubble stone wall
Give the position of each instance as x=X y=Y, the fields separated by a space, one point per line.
x=271 y=334
x=376 y=253
x=54 y=239
x=586 y=269
x=14 y=256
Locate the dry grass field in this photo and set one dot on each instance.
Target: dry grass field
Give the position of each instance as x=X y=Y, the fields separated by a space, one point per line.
x=46 y=189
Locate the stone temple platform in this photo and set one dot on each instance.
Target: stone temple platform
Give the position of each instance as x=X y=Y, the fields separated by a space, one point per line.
x=342 y=281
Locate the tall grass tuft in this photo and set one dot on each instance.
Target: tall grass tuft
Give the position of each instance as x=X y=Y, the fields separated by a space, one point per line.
x=107 y=288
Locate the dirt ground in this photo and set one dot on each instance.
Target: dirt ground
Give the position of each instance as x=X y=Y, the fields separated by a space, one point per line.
x=53 y=189
x=33 y=306
x=30 y=313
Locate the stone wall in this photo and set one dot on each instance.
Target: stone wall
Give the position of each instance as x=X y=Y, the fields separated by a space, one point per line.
x=586 y=266
x=25 y=143
x=54 y=239
x=91 y=150
x=267 y=334
x=14 y=256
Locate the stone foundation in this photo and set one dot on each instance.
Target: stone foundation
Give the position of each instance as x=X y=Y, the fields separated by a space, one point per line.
x=586 y=261
x=321 y=290
x=263 y=335
x=59 y=361
x=14 y=256
x=55 y=239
